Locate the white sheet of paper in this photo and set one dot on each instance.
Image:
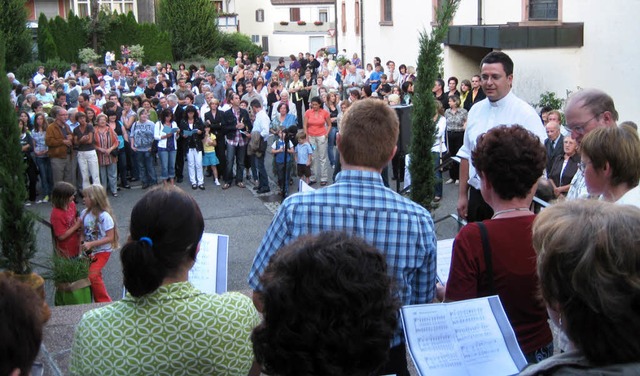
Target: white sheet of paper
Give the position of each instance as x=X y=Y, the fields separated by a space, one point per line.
x=445 y=248
x=460 y=338
x=304 y=187
x=209 y=273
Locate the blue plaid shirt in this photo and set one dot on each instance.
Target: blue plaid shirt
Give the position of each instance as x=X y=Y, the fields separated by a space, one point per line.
x=358 y=203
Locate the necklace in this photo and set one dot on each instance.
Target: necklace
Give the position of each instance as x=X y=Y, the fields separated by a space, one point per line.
x=508 y=211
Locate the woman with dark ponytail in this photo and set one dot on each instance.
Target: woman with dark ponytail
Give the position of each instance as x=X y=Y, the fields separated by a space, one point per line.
x=165 y=325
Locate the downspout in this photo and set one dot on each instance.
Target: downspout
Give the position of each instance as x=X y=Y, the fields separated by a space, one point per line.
x=362 y=58
x=479 y=12
x=335 y=23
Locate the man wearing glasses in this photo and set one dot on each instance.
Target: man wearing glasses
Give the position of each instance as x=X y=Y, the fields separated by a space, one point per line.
x=585 y=111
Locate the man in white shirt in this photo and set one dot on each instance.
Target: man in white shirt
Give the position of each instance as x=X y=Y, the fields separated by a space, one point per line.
x=500 y=107
x=260 y=127
x=585 y=111
x=37 y=79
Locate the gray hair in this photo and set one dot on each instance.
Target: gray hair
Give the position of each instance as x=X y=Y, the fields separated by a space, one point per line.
x=595 y=100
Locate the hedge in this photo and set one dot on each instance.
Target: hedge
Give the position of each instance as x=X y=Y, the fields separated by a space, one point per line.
x=26 y=71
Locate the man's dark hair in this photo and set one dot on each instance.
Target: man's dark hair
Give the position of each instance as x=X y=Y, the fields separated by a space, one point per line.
x=499 y=57
x=256 y=104
x=440 y=82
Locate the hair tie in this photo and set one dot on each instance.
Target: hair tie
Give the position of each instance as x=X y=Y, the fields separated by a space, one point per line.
x=147 y=240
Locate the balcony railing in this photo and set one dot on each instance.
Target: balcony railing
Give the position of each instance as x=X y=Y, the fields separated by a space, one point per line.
x=308 y=27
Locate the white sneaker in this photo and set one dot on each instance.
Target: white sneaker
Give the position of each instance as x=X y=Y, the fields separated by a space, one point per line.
x=457 y=182
x=449 y=181
x=217 y=182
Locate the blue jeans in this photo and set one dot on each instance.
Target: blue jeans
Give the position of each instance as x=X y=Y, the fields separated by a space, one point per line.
x=332 y=143
x=263 y=178
x=237 y=153
x=46 y=178
x=145 y=166
x=438 y=183
x=167 y=164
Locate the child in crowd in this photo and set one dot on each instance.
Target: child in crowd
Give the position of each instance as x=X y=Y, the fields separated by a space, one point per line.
x=210 y=160
x=278 y=150
x=304 y=153
x=64 y=220
x=99 y=237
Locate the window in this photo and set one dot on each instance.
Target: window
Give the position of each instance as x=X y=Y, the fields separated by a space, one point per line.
x=543 y=10
x=323 y=15
x=255 y=38
x=294 y=14
x=260 y=15
x=218 y=5
x=386 y=14
x=83 y=7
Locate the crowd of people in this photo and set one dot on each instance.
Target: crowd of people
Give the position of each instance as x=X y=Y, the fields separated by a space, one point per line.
x=206 y=117
x=339 y=261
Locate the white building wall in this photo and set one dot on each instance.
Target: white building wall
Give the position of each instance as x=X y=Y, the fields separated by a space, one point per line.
x=283 y=43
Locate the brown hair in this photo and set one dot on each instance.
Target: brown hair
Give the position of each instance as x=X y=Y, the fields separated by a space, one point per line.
x=368 y=134
x=511 y=158
x=617 y=146
x=61 y=193
x=589 y=271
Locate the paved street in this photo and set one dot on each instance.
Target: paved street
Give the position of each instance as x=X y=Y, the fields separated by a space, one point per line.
x=237 y=212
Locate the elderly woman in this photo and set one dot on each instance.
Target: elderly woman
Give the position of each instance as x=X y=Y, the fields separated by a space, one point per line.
x=322 y=296
x=590 y=282
x=496 y=257
x=317 y=122
x=564 y=167
x=165 y=326
x=611 y=164
x=43 y=95
x=106 y=145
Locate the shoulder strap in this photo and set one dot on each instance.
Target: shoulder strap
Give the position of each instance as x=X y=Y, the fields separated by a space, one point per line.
x=486 y=247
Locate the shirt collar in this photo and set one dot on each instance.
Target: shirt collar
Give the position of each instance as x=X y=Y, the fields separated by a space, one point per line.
x=502 y=102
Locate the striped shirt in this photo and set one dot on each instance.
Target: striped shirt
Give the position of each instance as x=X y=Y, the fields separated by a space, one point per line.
x=358 y=203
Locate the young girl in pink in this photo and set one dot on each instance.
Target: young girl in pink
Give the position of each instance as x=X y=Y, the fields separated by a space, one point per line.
x=99 y=237
x=65 y=221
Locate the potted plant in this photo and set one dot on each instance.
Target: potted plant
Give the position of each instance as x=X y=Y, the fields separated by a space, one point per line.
x=318 y=23
x=17 y=234
x=301 y=23
x=71 y=278
x=284 y=23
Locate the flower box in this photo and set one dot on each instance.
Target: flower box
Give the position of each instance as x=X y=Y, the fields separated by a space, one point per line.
x=301 y=23
x=284 y=23
x=318 y=23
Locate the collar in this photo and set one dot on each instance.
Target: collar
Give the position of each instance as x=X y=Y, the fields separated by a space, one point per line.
x=503 y=102
x=163 y=294
x=359 y=176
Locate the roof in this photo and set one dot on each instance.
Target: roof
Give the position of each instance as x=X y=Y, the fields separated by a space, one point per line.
x=302 y=2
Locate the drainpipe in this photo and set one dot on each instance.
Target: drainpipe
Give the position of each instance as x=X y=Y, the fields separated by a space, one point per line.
x=335 y=23
x=479 y=12
x=362 y=34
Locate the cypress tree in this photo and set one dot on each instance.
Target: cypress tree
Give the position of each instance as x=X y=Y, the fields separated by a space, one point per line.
x=192 y=26
x=13 y=25
x=423 y=127
x=17 y=236
x=43 y=27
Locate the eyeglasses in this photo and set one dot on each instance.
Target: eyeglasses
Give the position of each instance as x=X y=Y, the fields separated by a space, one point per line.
x=582 y=165
x=581 y=128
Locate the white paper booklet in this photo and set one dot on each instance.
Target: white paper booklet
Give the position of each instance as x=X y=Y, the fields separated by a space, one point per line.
x=304 y=187
x=470 y=337
x=209 y=274
x=443 y=261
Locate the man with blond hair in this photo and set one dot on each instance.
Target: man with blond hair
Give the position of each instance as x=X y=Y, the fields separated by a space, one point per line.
x=359 y=204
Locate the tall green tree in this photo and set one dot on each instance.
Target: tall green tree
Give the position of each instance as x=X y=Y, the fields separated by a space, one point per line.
x=423 y=127
x=192 y=26
x=17 y=236
x=13 y=25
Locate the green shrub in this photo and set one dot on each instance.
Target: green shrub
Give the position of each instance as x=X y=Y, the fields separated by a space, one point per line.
x=157 y=45
x=14 y=33
x=231 y=43
x=68 y=270
x=26 y=71
x=88 y=55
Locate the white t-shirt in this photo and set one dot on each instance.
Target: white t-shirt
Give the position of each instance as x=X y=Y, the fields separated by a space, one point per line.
x=97 y=229
x=485 y=115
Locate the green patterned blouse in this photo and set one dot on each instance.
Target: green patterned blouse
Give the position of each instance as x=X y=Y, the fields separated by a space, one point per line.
x=176 y=330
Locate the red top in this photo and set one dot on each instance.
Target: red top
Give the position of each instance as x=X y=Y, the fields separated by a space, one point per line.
x=63 y=220
x=316 y=122
x=514 y=276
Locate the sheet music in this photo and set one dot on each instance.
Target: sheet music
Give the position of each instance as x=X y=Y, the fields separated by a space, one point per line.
x=167 y=129
x=209 y=273
x=304 y=187
x=443 y=261
x=461 y=338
